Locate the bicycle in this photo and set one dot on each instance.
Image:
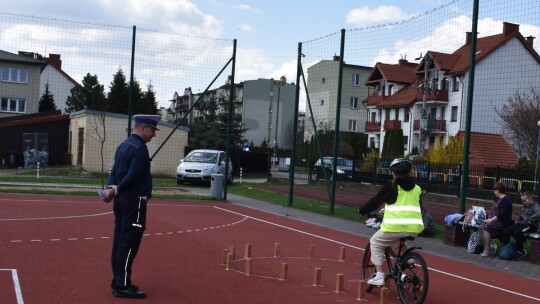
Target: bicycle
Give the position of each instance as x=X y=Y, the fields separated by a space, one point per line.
x=408 y=270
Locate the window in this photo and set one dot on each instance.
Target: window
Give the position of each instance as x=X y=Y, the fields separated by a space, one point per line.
x=14 y=75
x=352 y=125
x=322 y=102
x=407 y=115
x=373 y=116
x=456 y=83
x=354 y=103
x=443 y=112
x=387 y=114
x=444 y=84
x=396 y=117
x=405 y=142
x=372 y=142
x=454 y=114
x=13 y=105
x=390 y=87
x=435 y=84
x=323 y=80
x=355 y=79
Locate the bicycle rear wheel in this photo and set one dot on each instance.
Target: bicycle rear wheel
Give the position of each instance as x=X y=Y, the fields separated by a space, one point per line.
x=368 y=268
x=413 y=287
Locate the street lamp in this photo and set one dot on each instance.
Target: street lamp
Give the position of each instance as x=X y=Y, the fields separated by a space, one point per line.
x=536 y=161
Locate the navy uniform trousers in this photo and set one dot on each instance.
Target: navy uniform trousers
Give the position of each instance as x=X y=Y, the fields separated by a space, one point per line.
x=129 y=226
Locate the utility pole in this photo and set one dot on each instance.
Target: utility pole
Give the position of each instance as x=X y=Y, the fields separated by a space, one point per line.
x=425 y=91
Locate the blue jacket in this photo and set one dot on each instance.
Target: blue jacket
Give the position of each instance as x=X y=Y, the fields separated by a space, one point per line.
x=131 y=169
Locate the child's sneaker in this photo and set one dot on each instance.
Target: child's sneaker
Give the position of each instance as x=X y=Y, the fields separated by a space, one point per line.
x=521 y=254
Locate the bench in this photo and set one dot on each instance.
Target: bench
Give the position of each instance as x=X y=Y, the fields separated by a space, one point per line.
x=458 y=235
x=534 y=255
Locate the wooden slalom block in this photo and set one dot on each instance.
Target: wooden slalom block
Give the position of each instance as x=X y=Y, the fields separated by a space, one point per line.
x=311 y=253
x=247 y=251
x=277 y=250
x=232 y=250
x=284 y=270
x=342 y=254
x=384 y=295
x=317 y=277
x=340 y=280
x=362 y=291
x=229 y=261
x=224 y=256
x=249 y=266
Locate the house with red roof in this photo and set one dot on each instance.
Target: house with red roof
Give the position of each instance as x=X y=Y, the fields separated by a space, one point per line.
x=430 y=100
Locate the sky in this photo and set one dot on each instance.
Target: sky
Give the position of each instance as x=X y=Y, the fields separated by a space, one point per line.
x=268 y=32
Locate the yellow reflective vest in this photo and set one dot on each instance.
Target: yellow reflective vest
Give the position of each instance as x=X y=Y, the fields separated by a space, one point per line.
x=405 y=214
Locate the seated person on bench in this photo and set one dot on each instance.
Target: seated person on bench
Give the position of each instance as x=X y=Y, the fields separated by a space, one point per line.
x=527 y=222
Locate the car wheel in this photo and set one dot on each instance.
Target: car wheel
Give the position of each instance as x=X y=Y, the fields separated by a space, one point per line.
x=179 y=182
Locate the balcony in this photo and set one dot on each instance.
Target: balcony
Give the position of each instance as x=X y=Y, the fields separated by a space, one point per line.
x=392 y=124
x=373 y=126
x=374 y=100
x=433 y=125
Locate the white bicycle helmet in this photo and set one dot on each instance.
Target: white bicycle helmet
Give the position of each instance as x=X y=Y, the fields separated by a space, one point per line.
x=400 y=165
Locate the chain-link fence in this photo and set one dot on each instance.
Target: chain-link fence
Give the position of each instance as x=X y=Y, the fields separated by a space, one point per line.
x=402 y=90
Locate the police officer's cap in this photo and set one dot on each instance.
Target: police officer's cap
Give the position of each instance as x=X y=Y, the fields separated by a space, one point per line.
x=151 y=120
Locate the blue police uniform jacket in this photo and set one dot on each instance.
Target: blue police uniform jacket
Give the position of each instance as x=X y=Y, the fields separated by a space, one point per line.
x=131 y=169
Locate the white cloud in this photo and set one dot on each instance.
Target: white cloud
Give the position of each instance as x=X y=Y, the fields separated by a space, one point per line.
x=245 y=27
x=365 y=16
x=252 y=64
x=178 y=16
x=245 y=7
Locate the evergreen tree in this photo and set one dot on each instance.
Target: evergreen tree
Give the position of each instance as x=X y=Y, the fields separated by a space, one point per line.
x=148 y=102
x=90 y=95
x=118 y=96
x=211 y=132
x=46 y=102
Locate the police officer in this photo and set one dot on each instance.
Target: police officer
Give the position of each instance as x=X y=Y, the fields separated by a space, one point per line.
x=131 y=180
x=402 y=214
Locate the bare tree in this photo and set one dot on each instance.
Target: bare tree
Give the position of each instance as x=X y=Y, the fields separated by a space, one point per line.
x=520 y=115
x=97 y=122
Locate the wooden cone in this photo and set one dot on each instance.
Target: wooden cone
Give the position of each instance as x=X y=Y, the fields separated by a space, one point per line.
x=342 y=254
x=224 y=257
x=277 y=250
x=249 y=266
x=362 y=291
x=247 y=251
x=311 y=253
x=317 y=277
x=232 y=250
x=229 y=261
x=283 y=273
x=340 y=280
x=384 y=295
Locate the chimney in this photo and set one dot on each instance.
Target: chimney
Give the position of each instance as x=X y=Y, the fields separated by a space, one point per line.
x=468 y=38
x=509 y=28
x=54 y=60
x=403 y=62
x=336 y=58
x=530 y=40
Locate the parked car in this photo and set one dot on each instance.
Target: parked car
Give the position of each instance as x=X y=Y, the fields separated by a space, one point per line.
x=344 y=168
x=199 y=165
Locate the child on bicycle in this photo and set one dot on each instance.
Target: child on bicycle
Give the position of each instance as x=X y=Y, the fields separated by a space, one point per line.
x=402 y=214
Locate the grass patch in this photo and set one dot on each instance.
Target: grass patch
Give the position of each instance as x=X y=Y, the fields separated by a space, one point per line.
x=309 y=205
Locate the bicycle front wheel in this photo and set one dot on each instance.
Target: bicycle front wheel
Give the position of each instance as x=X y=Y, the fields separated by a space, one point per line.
x=368 y=268
x=414 y=284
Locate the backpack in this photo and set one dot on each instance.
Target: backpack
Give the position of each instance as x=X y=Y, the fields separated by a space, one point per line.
x=474 y=245
x=508 y=252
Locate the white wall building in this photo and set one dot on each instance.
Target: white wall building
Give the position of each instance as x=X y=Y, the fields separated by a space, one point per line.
x=505 y=63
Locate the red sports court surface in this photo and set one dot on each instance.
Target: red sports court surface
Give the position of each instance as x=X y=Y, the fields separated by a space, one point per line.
x=55 y=249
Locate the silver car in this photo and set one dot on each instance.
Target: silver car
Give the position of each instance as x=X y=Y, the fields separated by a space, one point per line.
x=199 y=165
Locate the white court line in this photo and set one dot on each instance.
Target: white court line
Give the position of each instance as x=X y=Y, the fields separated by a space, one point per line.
x=355 y=247
x=18 y=292
x=55 y=217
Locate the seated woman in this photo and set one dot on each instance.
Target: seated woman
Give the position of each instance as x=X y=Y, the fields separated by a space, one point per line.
x=500 y=217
